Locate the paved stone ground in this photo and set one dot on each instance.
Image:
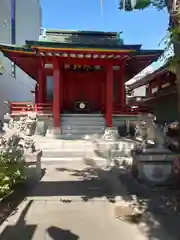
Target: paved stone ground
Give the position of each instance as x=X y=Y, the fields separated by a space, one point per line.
x=69 y=203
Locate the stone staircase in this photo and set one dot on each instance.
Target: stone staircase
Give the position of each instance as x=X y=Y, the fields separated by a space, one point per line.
x=77 y=141
x=82 y=126
x=59 y=151
x=80 y=142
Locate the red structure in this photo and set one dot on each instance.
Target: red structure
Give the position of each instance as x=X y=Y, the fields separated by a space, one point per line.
x=158 y=83
x=161 y=94
x=86 y=75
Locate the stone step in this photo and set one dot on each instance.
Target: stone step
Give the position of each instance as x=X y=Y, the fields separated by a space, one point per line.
x=45 y=143
x=77 y=122
x=68 y=153
x=95 y=118
x=77 y=126
x=73 y=127
x=82 y=115
x=80 y=122
x=81 y=131
x=79 y=136
x=76 y=160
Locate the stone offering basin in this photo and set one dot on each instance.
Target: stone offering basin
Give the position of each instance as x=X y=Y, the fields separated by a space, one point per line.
x=155 y=166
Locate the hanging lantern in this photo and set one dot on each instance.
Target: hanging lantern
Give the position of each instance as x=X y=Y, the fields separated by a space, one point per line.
x=129 y=5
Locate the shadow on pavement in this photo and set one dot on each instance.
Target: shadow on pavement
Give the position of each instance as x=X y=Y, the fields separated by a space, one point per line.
x=156 y=220
x=23 y=231
x=10 y=203
x=58 y=234
x=20 y=230
x=89 y=185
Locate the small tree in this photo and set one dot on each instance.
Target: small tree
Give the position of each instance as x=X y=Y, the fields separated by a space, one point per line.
x=173 y=8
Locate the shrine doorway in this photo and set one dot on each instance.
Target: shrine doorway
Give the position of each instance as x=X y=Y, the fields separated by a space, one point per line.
x=87 y=88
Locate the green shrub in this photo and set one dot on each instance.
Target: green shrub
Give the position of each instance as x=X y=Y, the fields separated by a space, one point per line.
x=11 y=164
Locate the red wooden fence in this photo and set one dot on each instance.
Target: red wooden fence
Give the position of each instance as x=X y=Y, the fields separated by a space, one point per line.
x=47 y=108
x=24 y=107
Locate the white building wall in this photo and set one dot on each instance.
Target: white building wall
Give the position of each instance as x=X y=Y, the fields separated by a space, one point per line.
x=28 y=24
x=140 y=91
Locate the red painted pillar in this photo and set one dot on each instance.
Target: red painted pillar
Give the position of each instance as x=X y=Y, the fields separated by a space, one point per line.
x=36 y=93
x=44 y=88
x=149 y=90
x=122 y=90
x=56 y=92
x=61 y=89
x=40 y=88
x=109 y=94
x=117 y=76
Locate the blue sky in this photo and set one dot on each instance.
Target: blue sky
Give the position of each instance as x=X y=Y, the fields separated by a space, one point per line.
x=146 y=27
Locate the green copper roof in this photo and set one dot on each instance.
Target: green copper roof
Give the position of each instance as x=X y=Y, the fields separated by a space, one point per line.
x=52 y=44
x=83 y=37
x=79 y=32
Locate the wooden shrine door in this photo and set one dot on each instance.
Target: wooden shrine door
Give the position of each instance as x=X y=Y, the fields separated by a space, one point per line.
x=85 y=86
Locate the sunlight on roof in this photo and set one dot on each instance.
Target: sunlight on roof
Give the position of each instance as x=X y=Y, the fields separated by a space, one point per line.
x=143 y=73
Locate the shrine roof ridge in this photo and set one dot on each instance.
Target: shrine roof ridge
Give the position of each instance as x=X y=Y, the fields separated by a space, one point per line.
x=81 y=37
x=145 y=51
x=82 y=32
x=79 y=45
x=14 y=47
x=148 y=78
x=32 y=47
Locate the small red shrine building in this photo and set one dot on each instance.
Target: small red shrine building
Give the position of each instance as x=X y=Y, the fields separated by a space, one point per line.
x=87 y=71
x=161 y=94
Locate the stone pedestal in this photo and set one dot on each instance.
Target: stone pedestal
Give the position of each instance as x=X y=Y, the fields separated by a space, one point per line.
x=110 y=134
x=53 y=132
x=40 y=128
x=155 y=166
x=115 y=149
x=111 y=148
x=49 y=131
x=32 y=169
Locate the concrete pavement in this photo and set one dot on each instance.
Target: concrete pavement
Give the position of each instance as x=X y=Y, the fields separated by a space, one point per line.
x=69 y=203
x=74 y=202
x=77 y=220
